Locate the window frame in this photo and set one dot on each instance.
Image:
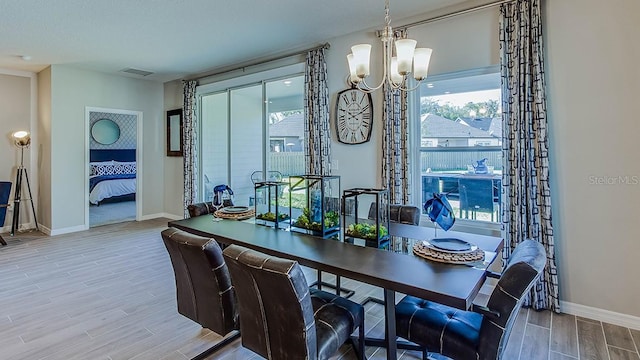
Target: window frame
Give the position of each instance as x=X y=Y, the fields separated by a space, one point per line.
x=463 y=225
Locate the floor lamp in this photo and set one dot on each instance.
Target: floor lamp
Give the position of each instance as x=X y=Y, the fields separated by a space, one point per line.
x=22 y=140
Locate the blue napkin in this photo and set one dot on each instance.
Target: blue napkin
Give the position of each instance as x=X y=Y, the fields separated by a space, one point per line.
x=440 y=211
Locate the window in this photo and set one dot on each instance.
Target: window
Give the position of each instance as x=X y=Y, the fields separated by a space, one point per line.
x=460 y=142
x=254 y=127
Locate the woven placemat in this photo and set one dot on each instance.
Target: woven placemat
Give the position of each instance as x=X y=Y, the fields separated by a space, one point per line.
x=235 y=216
x=463 y=257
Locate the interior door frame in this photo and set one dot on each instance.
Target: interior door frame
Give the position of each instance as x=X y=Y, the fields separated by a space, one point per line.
x=139 y=163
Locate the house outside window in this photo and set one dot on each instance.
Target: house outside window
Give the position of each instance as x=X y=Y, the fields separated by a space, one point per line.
x=460 y=142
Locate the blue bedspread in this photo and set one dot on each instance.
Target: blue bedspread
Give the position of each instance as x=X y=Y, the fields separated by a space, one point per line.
x=95 y=180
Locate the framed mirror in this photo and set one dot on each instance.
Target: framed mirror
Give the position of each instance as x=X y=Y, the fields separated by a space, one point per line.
x=174 y=132
x=105 y=131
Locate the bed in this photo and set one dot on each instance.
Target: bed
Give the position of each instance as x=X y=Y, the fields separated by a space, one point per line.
x=112 y=176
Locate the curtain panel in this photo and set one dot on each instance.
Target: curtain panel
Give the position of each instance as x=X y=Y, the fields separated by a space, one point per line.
x=395 y=142
x=190 y=144
x=526 y=210
x=395 y=147
x=317 y=147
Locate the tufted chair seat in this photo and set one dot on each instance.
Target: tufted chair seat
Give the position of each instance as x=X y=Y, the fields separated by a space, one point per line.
x=437 y=327
x=280 y=317
x=202 y=208
x=480 y=334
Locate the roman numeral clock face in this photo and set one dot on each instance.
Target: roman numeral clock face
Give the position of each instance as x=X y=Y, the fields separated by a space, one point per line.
x=354 y=115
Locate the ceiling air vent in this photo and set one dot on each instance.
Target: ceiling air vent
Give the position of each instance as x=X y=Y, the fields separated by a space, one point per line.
x=137 y=72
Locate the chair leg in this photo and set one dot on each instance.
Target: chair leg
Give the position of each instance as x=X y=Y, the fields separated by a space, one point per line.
x=4 y=243
x=224 y=342
x=358 y=345
x=339 y=290
x=361 y=342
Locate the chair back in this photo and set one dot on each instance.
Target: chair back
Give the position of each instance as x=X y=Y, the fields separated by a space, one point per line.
x=430 y=185
x=272 y=175
x=204 y=291
x=202 y=208
x=277 y=319
x=476 y=194
x=522 y=271
x=403 y=214
x=5 y=190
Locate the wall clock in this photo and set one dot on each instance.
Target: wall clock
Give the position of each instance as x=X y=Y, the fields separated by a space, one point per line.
x=354 y=116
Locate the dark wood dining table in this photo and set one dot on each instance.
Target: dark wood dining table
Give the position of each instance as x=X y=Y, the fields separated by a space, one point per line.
x=453 y=285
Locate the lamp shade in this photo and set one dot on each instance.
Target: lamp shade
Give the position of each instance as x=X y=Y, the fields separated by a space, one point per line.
x=421 y=59
x=361 y=54
x=404 y=51
x=22 y=138
x=353 y=77
x=396 y=78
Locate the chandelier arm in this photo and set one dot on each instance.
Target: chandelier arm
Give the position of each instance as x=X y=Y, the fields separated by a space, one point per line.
x=407 y=89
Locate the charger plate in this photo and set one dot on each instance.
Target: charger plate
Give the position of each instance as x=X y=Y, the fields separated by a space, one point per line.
x=235 y=215
x=426 y=250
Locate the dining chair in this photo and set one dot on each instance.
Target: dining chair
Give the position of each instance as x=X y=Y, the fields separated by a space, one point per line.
x=430 y=185
x=204 y=291
x=5 y=190
x=281 y=317
x=483 y=332
x=476 y=195
x=402 y=214
x=202 y=208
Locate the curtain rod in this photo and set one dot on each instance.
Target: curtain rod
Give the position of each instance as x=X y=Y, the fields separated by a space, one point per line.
x=243 y=68
x=449 y=15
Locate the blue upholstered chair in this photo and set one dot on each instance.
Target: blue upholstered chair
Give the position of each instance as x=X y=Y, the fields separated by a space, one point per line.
x=483 y=332
x=5 y=190
x=476 y=195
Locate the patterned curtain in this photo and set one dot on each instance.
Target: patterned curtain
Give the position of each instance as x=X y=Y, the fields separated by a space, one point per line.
x=317 y=148
x=395 y=143
x=190 y=142
x=527 y=201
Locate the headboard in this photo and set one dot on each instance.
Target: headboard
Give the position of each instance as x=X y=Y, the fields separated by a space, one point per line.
x=124 y=155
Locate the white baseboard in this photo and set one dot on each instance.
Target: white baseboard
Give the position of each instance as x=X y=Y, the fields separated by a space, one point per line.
x=161 y=215
x=611 y=317
x=66 y=230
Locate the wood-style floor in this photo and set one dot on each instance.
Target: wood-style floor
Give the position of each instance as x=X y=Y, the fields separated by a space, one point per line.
x=109 y=293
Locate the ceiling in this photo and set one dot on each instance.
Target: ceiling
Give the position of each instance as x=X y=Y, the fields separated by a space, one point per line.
x=178 y=38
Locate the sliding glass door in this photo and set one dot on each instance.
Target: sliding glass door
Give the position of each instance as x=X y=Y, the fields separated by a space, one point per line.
x=256 y=127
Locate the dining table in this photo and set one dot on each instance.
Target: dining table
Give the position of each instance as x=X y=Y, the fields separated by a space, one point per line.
x=454 y=285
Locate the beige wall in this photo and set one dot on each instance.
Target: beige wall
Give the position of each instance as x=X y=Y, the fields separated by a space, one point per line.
x=71 y=91
x=173 y=179
x=44 y=149
x=15 y=102
x=593 y=84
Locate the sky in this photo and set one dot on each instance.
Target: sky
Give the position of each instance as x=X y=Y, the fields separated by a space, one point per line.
x=460 y=99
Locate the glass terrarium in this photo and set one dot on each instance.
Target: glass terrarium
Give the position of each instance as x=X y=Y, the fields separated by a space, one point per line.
x=272 y=209
x=315 y=204
x=366 y=218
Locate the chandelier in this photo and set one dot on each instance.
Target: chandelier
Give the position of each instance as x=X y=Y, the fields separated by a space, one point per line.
x=396 y=69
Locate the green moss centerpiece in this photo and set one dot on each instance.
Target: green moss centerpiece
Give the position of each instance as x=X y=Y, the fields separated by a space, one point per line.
x=269 y=216
x=331 y=220
x=367 y=231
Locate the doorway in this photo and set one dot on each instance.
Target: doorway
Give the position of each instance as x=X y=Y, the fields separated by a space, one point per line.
x=113 y=167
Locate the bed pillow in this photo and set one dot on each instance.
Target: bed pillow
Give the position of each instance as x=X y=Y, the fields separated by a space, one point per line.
x=112 y=168
x=98 y=166
x=124 y=167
